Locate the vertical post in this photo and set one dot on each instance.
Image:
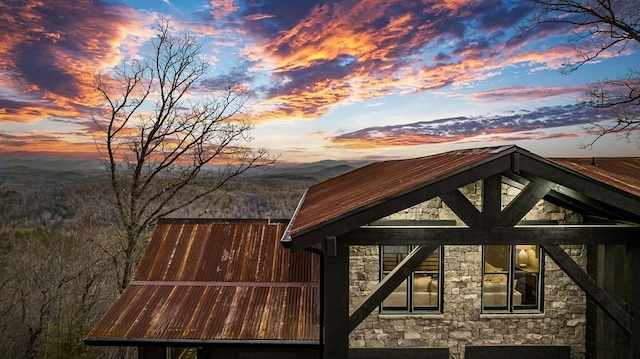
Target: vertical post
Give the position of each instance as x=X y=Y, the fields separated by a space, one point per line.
x=609 y=284
x=336 y=303
x=491 y=200
x=634 y=303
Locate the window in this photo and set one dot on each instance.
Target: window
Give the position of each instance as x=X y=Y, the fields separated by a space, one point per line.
x=421 y=291
x=512 y=279
x=182 y=353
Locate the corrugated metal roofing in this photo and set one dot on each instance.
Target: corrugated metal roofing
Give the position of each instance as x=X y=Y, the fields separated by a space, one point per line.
x=379 y=181
x=217 y=281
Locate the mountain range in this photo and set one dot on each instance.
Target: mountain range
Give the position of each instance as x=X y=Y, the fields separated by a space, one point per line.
x=46 y=171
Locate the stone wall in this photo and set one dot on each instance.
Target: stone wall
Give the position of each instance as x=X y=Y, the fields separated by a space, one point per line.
x=461 y=323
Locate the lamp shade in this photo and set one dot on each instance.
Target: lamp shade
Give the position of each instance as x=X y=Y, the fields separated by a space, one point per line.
x=522 y=258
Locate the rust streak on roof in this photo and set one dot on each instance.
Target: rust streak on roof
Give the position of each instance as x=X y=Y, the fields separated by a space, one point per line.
x=217 y=281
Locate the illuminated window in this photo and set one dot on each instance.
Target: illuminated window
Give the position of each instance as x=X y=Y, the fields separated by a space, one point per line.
x=422 y=289
x=512 y=279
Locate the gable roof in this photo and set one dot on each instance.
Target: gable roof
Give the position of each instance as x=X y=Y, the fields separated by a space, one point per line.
x=216 y=281
x=346 y=202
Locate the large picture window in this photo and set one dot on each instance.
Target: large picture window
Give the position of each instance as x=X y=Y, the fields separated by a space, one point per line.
x=422 y=289
x=512 y=278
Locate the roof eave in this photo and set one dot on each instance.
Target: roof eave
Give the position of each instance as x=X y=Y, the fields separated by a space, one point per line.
x=286 y=236
x=108 y=341
x=577 y=181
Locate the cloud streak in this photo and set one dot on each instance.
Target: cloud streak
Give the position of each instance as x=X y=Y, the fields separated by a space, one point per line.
x=510 y=126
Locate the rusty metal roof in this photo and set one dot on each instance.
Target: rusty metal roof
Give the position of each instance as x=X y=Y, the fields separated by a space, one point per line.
x=379 y=181
x=622 y=172
x=216 y=281
x=340 y=198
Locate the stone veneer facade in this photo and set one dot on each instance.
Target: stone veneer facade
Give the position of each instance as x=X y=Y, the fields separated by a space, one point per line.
x=461 y=322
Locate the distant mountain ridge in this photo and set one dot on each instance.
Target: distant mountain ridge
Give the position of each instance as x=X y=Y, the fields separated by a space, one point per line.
x=43 y=171
x=52 y=164
x=35 y=177
x=308 y=168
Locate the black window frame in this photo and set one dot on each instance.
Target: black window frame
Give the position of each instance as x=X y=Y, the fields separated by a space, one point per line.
x=518 y=280
x=410 y=300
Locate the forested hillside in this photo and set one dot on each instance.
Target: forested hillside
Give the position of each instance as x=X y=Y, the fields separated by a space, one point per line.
x=60 y=252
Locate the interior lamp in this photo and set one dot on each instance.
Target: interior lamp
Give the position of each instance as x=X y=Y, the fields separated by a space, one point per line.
x=522 y=258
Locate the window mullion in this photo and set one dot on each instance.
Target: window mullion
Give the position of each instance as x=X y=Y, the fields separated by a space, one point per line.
x=410 y=293
x=511 y=278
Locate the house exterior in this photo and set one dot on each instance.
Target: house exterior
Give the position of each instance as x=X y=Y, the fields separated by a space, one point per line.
x=469 y=310
x=479 y=253
x=534 y=310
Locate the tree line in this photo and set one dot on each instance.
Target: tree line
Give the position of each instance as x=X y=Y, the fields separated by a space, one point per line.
x=61 y=257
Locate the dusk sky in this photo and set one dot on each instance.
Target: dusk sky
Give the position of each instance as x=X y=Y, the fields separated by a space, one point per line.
x=343 y=80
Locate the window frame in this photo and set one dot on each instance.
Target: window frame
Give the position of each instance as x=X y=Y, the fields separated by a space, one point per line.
x=513 y=273
x=180 y=352
x=410 y=282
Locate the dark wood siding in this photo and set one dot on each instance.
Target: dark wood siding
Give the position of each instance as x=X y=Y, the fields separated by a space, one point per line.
x=399 y=353
x=517 y=351
x=608 y=265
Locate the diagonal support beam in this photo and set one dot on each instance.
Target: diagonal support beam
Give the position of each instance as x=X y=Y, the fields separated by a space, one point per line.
x=389 y=284
x=464 y=209
x=524 y=201
x=606 y=302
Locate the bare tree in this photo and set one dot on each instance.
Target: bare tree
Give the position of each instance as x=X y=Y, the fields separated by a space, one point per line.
x=50 y=291
x=622 y=97
x=160 y=141
x=601 y=27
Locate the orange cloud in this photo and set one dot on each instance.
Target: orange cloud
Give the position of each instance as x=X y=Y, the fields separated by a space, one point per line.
x=46 y=145
x=13 y=111
x=362 y=50
x=51 y=52
x=220 y=9
x=392 y=141
x=301 y=103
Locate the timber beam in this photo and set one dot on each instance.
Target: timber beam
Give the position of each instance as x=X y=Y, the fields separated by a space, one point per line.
x=605 y=301
x=461 y=206
x=524 y=202
x=542 y=235
x=492 y=216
